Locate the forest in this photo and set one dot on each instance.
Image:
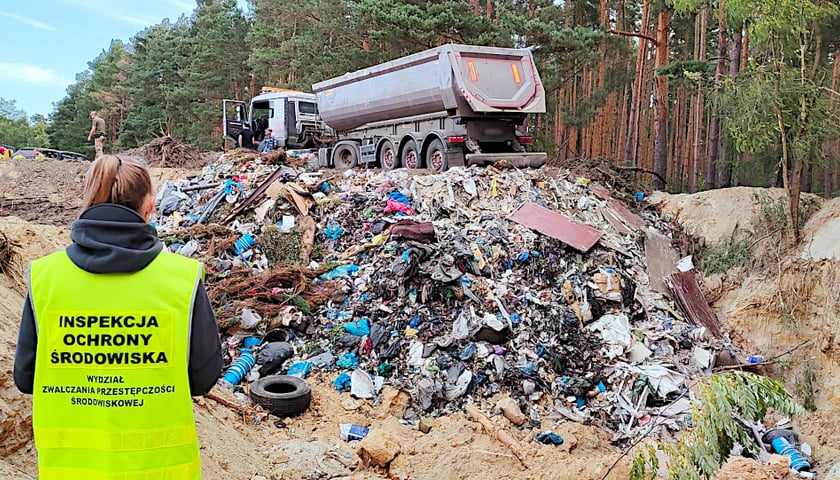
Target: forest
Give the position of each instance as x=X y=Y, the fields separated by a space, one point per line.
x=696 y=94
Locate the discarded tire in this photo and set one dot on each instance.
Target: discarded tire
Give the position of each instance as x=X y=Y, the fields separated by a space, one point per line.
x=282 y=395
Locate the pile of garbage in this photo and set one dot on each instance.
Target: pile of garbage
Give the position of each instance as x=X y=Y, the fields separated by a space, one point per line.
x=532 y=292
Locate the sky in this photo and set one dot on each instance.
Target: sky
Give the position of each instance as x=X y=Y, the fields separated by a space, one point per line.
x=45 y=43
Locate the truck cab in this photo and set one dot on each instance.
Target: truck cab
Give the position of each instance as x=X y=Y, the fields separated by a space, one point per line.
x=291 y=115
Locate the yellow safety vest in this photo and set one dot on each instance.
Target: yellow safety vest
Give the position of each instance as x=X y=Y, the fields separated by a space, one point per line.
x=112 y=396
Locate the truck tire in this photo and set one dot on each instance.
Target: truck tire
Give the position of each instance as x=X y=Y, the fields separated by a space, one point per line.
x=345 y=156
x=282 y=395
x=436 y=156
x=388 y=156
x=410 y=155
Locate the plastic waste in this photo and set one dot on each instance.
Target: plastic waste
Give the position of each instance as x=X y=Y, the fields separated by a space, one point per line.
x=244 y=243
x=322 y=360
x=188 y=249
x=415 y=354
x=348 y=361
x=299 y=369
x=250 y=319
x=397 y=202
x=460 y=328
x=549 y=438
x=286 y=224
x=359 y=328
x=460 y=386
x=362 y=385
x=239 y=368
x=333 y=230
x=467 y=352
x=782 y=446
x=340 y=271
x=342 y=382
x=351 y=431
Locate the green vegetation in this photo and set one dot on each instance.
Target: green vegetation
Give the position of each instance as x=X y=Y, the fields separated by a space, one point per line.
x=19 y=131
x=715 y=428
x=805 y=388
x=722 y=257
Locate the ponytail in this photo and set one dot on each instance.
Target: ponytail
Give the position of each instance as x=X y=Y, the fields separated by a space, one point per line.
x=114 y=179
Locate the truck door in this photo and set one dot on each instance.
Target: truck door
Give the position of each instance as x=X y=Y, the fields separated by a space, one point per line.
x=291 y=123
x=233 y=115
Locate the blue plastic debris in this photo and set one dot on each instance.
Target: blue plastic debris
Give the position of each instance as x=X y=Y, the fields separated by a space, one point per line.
x=467 y=352
x=333 y=230
x=299 y=369
x=348 y=360
x=359 y=328
x=549 y=438
x=340 y=271
x=342 y=382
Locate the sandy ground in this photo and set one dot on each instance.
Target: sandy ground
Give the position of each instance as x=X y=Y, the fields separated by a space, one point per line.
x=237 y=444
x=748 y=304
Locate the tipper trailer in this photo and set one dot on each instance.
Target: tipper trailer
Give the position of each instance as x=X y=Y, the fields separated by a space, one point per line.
x=448 y=106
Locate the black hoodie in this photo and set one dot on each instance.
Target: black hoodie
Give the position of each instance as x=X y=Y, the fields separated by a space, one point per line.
x=109 y=238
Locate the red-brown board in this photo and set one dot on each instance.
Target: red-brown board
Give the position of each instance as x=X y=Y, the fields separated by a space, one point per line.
x=576 y=235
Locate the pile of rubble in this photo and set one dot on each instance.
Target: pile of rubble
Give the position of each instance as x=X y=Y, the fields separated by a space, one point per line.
x=528 y=291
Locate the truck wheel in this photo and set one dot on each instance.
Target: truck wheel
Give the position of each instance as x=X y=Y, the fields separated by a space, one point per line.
x=345 y=156
x=436 y=156
x=282 y=395
x=410 y=155
x=388 y=157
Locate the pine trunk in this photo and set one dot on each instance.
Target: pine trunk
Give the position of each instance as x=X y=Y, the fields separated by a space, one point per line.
x=714 y=162
x=832 y=146
x=631 y=147
x=699 y=103
x=660 y=150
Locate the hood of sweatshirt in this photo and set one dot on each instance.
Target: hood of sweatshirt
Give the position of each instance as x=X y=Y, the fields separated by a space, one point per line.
x=110 y=238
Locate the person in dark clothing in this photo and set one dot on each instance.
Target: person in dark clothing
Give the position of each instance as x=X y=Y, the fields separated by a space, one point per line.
x=85 y=304
x=109 y=238
x=246 y=137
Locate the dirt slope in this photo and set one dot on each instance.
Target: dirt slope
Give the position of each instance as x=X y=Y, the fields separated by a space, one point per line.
x=772 y=310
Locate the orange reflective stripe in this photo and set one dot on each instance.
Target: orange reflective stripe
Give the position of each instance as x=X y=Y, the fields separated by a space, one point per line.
x=473 y=73
x=515 y=69
x=121 y=441
x=189 y=471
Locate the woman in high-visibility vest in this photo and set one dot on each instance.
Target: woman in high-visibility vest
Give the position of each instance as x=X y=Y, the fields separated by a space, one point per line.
x=116 y=337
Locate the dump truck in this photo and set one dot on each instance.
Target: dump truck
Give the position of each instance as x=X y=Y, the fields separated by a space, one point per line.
x=448 y=106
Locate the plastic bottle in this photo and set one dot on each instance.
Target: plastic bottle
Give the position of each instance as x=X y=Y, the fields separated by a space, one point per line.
x=351 y=431
x=240 y=368
x=783 y=447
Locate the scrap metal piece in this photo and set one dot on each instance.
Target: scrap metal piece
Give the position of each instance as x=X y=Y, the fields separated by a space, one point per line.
x=578 y=236
x=688 y=295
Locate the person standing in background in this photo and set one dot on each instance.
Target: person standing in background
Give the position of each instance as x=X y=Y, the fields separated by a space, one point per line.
x=97 y=131
x=246 y=137
x=269 y=143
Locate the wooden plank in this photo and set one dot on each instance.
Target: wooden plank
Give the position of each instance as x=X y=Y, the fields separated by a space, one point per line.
x=631 y=219
x=612 y=217
x=578 y=236
x=689 y=297
x=600 y=191
x=661 y=260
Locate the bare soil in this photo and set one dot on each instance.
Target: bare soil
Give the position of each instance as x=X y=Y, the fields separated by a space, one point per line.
x=236 y=444
x=49 y=192
x=793 y=305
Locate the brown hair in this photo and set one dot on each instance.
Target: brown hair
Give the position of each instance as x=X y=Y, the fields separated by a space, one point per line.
x=114 y=179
